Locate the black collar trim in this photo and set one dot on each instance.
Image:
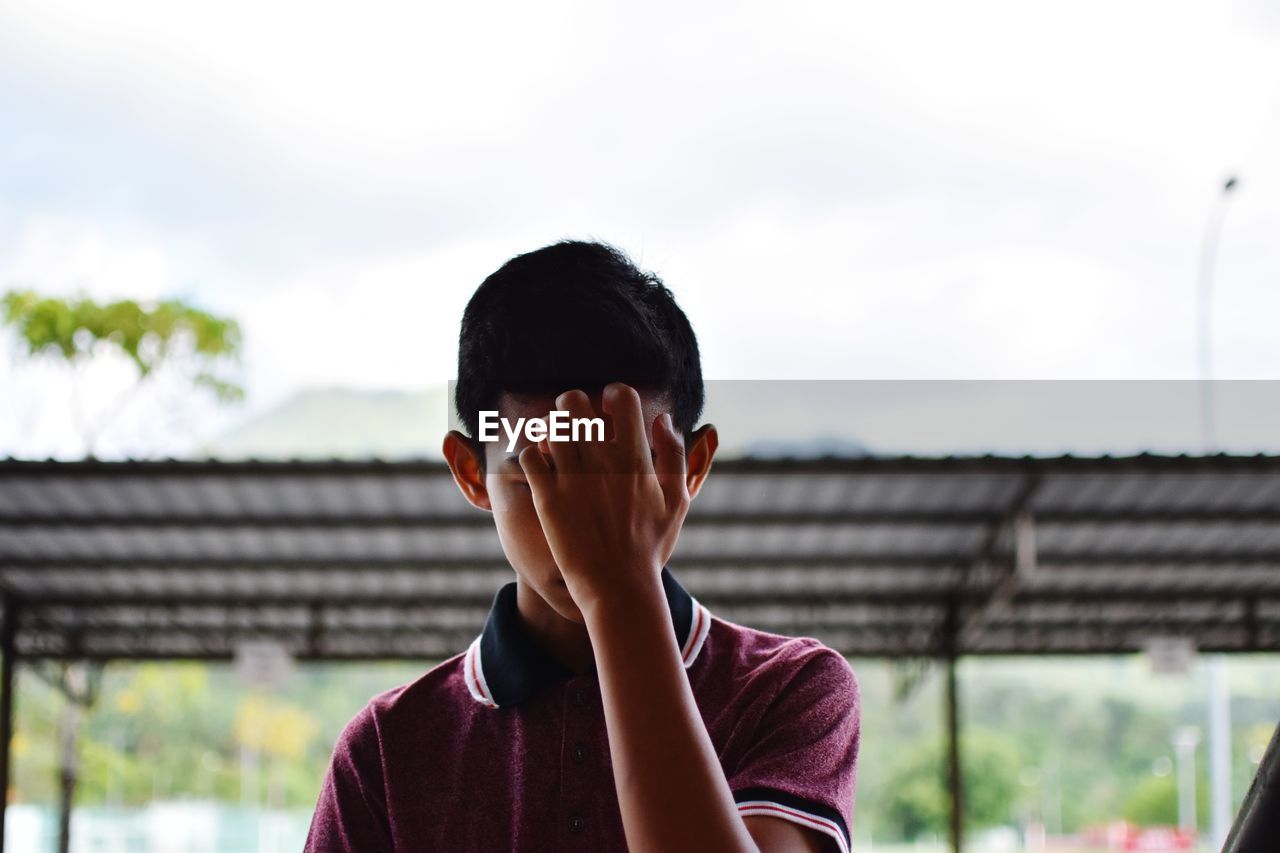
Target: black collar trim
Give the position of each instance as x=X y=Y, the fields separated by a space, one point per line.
x=504 y=666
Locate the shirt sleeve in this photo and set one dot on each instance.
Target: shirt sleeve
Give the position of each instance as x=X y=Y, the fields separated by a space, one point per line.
x=351 y=813
x=802 y=764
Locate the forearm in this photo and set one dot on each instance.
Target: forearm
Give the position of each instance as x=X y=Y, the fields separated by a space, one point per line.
x=671 y=788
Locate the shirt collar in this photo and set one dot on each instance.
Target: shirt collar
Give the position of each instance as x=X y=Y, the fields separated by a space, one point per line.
x=504 y=666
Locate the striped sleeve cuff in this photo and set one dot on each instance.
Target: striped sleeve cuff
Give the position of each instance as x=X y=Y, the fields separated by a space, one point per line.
x=771 y=802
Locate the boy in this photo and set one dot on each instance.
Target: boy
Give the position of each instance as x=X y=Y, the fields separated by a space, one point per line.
x=602 y=707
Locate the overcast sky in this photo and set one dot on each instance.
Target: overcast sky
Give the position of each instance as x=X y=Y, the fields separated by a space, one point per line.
x=832 y=190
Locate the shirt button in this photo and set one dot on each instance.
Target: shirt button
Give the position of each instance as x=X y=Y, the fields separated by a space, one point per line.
x=577 y=824
x=579 y=753
x=580 y=697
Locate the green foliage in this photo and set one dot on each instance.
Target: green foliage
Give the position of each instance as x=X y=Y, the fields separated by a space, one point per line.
x=1154 y=801
x=1041 y=738
x=150 y=335
x=162 y=730
x=918 y=798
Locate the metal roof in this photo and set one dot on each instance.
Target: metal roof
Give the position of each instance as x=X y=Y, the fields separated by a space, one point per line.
x=875 y=556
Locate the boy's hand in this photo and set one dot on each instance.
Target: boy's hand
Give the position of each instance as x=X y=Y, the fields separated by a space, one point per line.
x=610 y=510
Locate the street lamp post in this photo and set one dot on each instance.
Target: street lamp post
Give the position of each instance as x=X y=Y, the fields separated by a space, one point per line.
x=1204 y=314
x=1219 y=698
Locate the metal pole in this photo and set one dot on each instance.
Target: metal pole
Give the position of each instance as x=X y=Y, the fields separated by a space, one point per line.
x=1220 y=799
x=1184 y=744
x=954 y=778
x=1204 y=314
x=8 y=663
x=953 y=760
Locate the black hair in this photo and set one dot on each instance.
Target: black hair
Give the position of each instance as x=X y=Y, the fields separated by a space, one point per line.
x=575 y=314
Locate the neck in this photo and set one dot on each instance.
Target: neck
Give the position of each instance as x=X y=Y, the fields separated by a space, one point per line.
x=565 y=640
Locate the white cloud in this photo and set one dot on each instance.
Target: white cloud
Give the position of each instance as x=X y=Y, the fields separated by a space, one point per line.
x=897 y=190
x=67 y=255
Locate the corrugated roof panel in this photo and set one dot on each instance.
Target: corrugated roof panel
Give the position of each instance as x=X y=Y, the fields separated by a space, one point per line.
x=357 y=559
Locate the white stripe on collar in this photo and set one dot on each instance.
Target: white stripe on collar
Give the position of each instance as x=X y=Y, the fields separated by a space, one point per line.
x=473 y=672
x=699 y=627
x=478 y=687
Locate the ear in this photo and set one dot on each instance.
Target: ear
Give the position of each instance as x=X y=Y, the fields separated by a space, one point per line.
x=702 y=447
x=467 y=466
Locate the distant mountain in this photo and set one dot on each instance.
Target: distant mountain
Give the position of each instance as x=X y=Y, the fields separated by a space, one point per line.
x=342 y=423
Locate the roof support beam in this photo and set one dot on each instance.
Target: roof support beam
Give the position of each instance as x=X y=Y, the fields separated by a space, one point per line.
x=955 y=777
x=1244 y=558
x=8 y=668
x=1024 y=566
x=315 y=628
x=752 y=518
x=1251 y=624
x=1018 y=517
x=411 y=468
x=399 y=600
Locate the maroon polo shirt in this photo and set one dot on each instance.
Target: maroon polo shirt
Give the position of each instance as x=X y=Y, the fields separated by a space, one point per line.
x=502 y=748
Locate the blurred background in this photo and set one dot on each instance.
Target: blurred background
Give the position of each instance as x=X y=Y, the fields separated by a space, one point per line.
x=247 y=231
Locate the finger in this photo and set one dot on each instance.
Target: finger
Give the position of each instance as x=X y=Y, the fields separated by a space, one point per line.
x=567 y=454
x=622 y=404
x=579 y=407
x=544 y=451
x=536 y=470
x=669 y=463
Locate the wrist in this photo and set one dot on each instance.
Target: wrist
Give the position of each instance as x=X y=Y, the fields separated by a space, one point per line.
x=625 y=597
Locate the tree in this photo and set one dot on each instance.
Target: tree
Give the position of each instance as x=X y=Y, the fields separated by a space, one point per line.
x=917 y=798
x=1154 y=801
x=165 y=338
x=280 y=730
